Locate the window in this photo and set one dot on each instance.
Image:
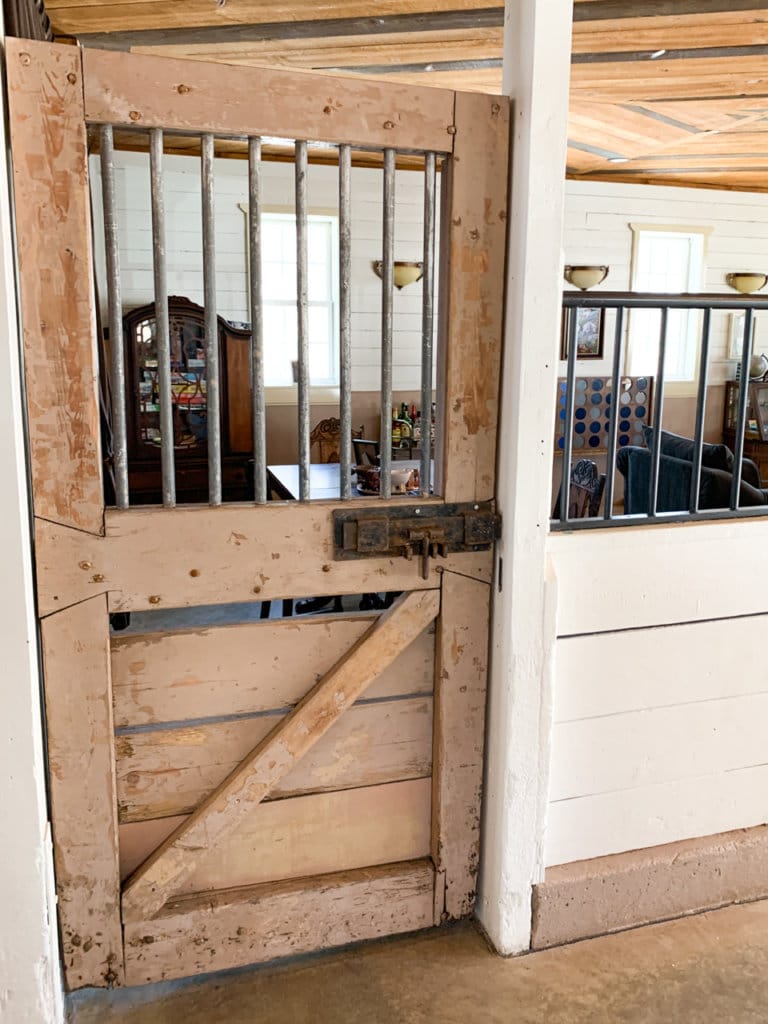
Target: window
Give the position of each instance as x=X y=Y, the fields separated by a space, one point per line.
x=278 y=278
x=666 y=259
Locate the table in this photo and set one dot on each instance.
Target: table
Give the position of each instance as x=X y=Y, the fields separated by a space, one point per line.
x=324 y=480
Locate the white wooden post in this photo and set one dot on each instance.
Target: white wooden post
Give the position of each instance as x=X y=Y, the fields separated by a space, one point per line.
x=536 y=76
x=29 y=968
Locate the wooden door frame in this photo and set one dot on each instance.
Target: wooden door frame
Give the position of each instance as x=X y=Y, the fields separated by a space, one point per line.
x=87 y=555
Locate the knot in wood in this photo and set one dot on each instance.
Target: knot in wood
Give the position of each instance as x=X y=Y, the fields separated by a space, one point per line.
x=154 y=599
x=25 y=59
x=134 y=115
x=182 y=89
x=86 y=565
x=71 y=77
x=389 y=124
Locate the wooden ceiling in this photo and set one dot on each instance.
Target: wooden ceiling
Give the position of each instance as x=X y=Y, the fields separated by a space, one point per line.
x=662 y=91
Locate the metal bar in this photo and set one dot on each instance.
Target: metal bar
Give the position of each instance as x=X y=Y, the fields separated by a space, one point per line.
x=162 y=327
x=655 y=300
x=115 y=306
x=302 y=314
x=258 y=411
x=610 y=459
x=658 y=403
x=741 y=419
x=345 y=318
x=427 y=320
x=570 y=391
x=757 y=511
x=212 y=375
x=387 y=296
x=701 y=405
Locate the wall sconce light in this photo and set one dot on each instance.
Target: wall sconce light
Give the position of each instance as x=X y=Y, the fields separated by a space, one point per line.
x=404 y=272
x=585 y=277
x=746 y=282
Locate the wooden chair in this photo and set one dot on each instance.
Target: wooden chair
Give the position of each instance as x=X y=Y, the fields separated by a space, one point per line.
x=586 y=492
x=327 y=436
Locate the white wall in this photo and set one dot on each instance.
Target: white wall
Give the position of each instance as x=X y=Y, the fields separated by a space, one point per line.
x=183 y=215
x=597 y=219
x=661 y=688
x=30 y=984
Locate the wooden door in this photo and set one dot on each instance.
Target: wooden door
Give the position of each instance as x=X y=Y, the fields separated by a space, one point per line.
x=243 y=792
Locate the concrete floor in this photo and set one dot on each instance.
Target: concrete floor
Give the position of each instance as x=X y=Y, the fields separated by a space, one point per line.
x=698 y=970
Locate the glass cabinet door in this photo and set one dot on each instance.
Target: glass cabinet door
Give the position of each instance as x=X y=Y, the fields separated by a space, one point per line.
x=188 y=383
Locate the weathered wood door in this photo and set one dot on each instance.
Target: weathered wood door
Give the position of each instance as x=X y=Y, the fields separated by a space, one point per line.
x=272 y=787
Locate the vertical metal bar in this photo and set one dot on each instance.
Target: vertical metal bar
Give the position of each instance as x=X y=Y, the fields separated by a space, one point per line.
x=162 y=327
x=212 y=375
x=387 y=295
x=570 y=391
x=658 y=404
x=701 y=406
x=427 y=320
x=258 y=412
x=345 y=318
x=610 y=458
x=302 y=313
x=741 y=418
x=115 y=306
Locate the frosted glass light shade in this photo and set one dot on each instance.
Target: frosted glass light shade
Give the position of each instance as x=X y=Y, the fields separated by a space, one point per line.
x=585 y=277
x=746 y=281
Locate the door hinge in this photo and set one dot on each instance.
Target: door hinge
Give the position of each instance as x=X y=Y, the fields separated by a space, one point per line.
x=424 y=531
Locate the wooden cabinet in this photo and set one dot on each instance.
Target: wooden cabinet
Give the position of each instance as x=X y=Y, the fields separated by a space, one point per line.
x=756 y=427
x=189 y=387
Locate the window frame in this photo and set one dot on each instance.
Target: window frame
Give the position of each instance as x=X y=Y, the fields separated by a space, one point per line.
x=672 y=388
x=326 y=392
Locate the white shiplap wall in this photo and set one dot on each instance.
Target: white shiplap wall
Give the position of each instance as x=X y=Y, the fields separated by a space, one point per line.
x=661 y=687
x=183 y=216
x=597 y=219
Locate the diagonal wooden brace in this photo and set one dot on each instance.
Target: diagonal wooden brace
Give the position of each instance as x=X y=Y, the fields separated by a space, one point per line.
x=219 y=815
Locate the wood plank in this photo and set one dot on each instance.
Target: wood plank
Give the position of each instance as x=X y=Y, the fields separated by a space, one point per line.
x=475 y=290
x=436 y=23
x=679 y=571
x=651 y=815
x=257 y=666
x=616 y=753
x=214 y=932
x=171 y=771
x=159 y=878
x=460 y=696
x=329 y=54
x=139 y=91
x=283 y=549
x=94 y=15
x=78 y=706
x=302 y=836
x=721 y=660
x=54 y=251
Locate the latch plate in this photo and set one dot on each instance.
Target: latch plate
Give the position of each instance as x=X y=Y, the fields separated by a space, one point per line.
x=403 y=530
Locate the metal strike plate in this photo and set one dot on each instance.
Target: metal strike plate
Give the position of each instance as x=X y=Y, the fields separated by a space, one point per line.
x=408 y=530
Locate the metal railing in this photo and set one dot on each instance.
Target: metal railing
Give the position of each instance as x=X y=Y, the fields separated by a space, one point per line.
x=117 y=369
x=620 y=303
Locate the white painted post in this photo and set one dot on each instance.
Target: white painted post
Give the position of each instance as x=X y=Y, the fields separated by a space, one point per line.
x=30 y=979
x=536 y=75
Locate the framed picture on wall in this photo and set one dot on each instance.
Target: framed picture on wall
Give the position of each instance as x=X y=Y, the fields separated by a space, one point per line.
x=589 y=333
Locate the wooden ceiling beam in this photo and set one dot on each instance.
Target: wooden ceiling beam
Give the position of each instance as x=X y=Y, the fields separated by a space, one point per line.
x=615 y=10
x=123 y=25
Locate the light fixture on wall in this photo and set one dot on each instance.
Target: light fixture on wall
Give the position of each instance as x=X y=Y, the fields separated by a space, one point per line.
x=585 y=277
x=746 y=281
x=404 y=273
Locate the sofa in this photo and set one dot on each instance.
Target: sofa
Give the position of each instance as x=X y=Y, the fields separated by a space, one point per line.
x=675 y=468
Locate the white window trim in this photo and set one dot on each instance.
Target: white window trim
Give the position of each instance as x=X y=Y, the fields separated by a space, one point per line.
x=328 y=394
x=672 y=388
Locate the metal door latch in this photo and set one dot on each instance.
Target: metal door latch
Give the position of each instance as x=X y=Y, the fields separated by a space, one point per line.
x=429 y=531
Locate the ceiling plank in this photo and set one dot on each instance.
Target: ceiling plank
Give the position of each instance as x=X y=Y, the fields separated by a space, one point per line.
x=725 y=29
x=614 y=10
x=83 y=18
x=425 y=47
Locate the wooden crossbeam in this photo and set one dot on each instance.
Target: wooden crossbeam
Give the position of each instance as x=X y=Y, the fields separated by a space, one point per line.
x=270 y=760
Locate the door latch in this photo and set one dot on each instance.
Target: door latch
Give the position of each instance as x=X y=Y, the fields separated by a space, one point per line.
x=427 y=531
